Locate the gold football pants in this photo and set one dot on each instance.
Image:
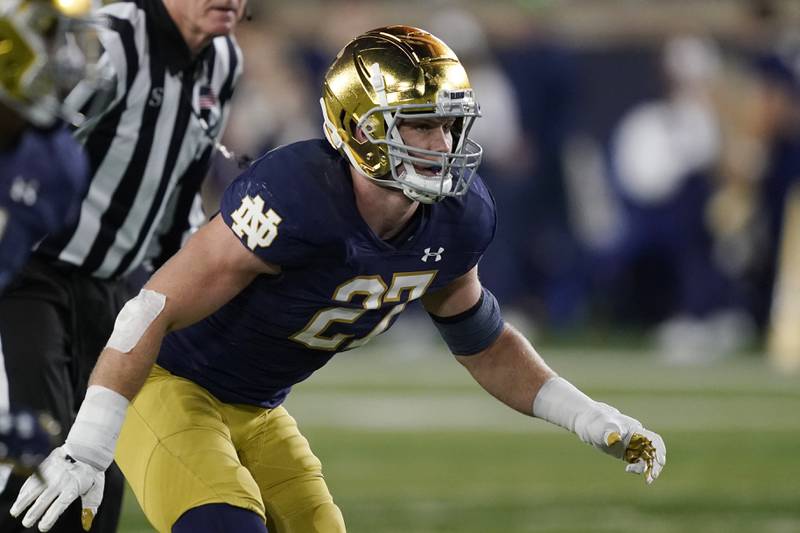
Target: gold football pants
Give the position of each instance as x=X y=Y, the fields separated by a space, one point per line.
x=181 y=448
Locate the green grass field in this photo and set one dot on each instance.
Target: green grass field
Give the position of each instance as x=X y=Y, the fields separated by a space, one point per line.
x=411 y=444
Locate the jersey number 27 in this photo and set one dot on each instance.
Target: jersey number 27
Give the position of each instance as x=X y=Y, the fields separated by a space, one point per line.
x=376 y=293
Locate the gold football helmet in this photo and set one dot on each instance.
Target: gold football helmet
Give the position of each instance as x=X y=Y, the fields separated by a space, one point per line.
x=41 y=54
x=383 y=77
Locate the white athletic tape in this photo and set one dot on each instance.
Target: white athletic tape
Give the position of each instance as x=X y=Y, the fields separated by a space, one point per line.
x=134 y=319
x=94 y=434
x=560 y=403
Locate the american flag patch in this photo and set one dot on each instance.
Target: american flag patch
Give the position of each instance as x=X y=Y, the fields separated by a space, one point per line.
x=207 y=98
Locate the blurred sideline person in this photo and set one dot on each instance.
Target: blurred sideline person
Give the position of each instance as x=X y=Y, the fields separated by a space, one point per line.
x=173 y=66
x=318 y=247
x=43 y=171
x=664 y=164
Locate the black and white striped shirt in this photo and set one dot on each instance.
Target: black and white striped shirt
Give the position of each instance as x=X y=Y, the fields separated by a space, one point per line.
x=148 y=149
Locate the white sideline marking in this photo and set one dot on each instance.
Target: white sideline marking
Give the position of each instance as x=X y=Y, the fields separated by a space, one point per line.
x=397 y=412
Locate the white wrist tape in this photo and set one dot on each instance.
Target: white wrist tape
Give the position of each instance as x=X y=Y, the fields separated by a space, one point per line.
x=560 y=403
x=93 y=436
x=134 y=319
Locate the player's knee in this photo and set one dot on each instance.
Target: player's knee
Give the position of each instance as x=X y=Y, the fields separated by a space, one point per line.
x=327 y=518
x=303 y=506
x=324 y=518
x=219 y=518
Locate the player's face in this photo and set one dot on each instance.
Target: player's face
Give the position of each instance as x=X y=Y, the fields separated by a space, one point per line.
x=429 y=134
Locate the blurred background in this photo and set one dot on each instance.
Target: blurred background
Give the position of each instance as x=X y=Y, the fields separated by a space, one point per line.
x=645 y=160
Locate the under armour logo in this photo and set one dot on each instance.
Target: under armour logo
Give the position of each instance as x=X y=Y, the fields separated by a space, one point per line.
x=261 y=228
x=437 y=255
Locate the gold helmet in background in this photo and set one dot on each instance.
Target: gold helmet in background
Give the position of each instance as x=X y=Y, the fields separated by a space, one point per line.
x=395 y=73
x=40 y=56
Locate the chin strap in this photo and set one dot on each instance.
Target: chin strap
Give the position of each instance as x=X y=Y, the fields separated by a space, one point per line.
x=421 y=197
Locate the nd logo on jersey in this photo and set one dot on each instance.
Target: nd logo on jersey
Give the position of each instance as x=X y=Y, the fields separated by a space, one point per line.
x=261 y=228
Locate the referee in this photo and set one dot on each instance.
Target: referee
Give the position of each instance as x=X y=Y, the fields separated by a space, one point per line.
x=173 y=66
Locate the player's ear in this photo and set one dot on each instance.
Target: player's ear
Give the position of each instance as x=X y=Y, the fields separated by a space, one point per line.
x=359 y=135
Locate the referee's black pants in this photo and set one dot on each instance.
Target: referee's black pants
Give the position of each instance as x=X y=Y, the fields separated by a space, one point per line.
x=54 y=321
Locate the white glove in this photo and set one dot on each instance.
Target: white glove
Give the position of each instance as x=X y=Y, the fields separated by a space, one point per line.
x=602 y=426
x=623 y=437
x=78 y=467
x=63 y=479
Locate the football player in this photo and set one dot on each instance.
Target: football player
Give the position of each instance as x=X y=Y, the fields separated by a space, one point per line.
x=42 y=169
x=317 y=248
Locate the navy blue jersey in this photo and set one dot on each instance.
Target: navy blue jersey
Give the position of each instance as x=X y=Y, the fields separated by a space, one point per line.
x=340 y=284
x=41 y=182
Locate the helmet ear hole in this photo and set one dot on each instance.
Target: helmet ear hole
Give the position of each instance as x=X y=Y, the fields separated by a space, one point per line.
x=359 y=136
x=370 y=127
x=353 y=129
